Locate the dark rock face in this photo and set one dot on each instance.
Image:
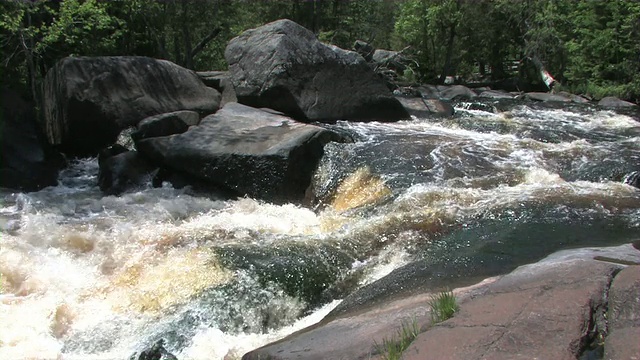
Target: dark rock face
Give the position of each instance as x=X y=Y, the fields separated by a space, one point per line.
x=27 y=162
x=633 y=179
x=246 y=150
x=88 y=101
x=165 y=124
x=156 y=351
x=364 y=49
x=283 y=66
x=220 y=81
x=121 y=170
x=614 y=102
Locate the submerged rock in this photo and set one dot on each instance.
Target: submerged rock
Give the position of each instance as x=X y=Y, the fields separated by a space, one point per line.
x=283 y=66
x=246 y=150
x=89 y=100
x=155 y=352
x=121 y=169
x=633 y=179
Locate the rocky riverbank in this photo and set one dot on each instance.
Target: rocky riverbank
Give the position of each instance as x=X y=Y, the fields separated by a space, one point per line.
x=579 y=303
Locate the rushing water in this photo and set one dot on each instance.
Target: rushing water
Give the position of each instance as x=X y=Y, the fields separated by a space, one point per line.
x=86 y=276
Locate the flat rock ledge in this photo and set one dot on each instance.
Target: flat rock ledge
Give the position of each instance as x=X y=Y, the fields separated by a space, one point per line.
x=573 y=304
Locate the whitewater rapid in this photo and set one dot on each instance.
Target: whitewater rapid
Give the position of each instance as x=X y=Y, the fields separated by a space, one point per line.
x=87 y=276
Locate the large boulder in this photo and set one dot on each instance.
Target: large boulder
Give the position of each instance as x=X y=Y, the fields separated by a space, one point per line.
x=546 y=97
x=455 y=92
x=425 y=108
x=495 y=94
x=614 y=102
x=89 y=100
x=246 y=150
x=27 y=162
x=283 y=66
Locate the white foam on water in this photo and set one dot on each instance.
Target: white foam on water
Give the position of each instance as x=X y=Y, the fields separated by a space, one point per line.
x=538 y=185
x=610 y=120
x=115 y=257
x=213 y=344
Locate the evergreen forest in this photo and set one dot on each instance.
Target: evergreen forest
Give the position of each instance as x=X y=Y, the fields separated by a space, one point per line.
x=590 y=47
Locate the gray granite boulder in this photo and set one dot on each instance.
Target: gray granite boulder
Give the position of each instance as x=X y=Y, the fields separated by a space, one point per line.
x=425 y=108
x=614 y=102
x=89 y=100
x=283 y=66
x=246 y=150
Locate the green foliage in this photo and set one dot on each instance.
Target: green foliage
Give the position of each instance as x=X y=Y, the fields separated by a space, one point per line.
x=443 y=306
x=80 y=28
x=588 y=45
x=392 y=348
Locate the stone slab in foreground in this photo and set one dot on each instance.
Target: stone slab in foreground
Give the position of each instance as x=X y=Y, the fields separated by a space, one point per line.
x=548 y=310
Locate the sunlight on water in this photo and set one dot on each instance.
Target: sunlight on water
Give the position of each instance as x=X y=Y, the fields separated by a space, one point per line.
x=86 y=276
x=213 y=344
x=153 y=285
x=359 y=189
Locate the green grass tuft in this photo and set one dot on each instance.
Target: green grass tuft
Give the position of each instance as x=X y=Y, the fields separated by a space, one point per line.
x=392 y=349
x=443 y=306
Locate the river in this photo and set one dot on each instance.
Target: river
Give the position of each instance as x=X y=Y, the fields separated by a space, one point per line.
x=87 y=276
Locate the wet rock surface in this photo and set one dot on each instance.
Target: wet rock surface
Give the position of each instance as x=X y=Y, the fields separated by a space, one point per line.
x=245 y=150
x=156 y=351
x=553 y=309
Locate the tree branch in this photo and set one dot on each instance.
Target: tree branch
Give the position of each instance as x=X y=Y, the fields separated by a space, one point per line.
x=201 y=45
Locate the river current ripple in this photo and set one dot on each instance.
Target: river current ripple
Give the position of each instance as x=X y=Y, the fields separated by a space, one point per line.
x=87 y=276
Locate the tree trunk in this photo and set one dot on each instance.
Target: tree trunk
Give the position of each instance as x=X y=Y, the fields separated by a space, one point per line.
x=449 y=54
x=186 y=37
x=27 y=46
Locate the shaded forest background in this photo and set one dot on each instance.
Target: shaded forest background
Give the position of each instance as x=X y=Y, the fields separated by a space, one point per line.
x=590 y=47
